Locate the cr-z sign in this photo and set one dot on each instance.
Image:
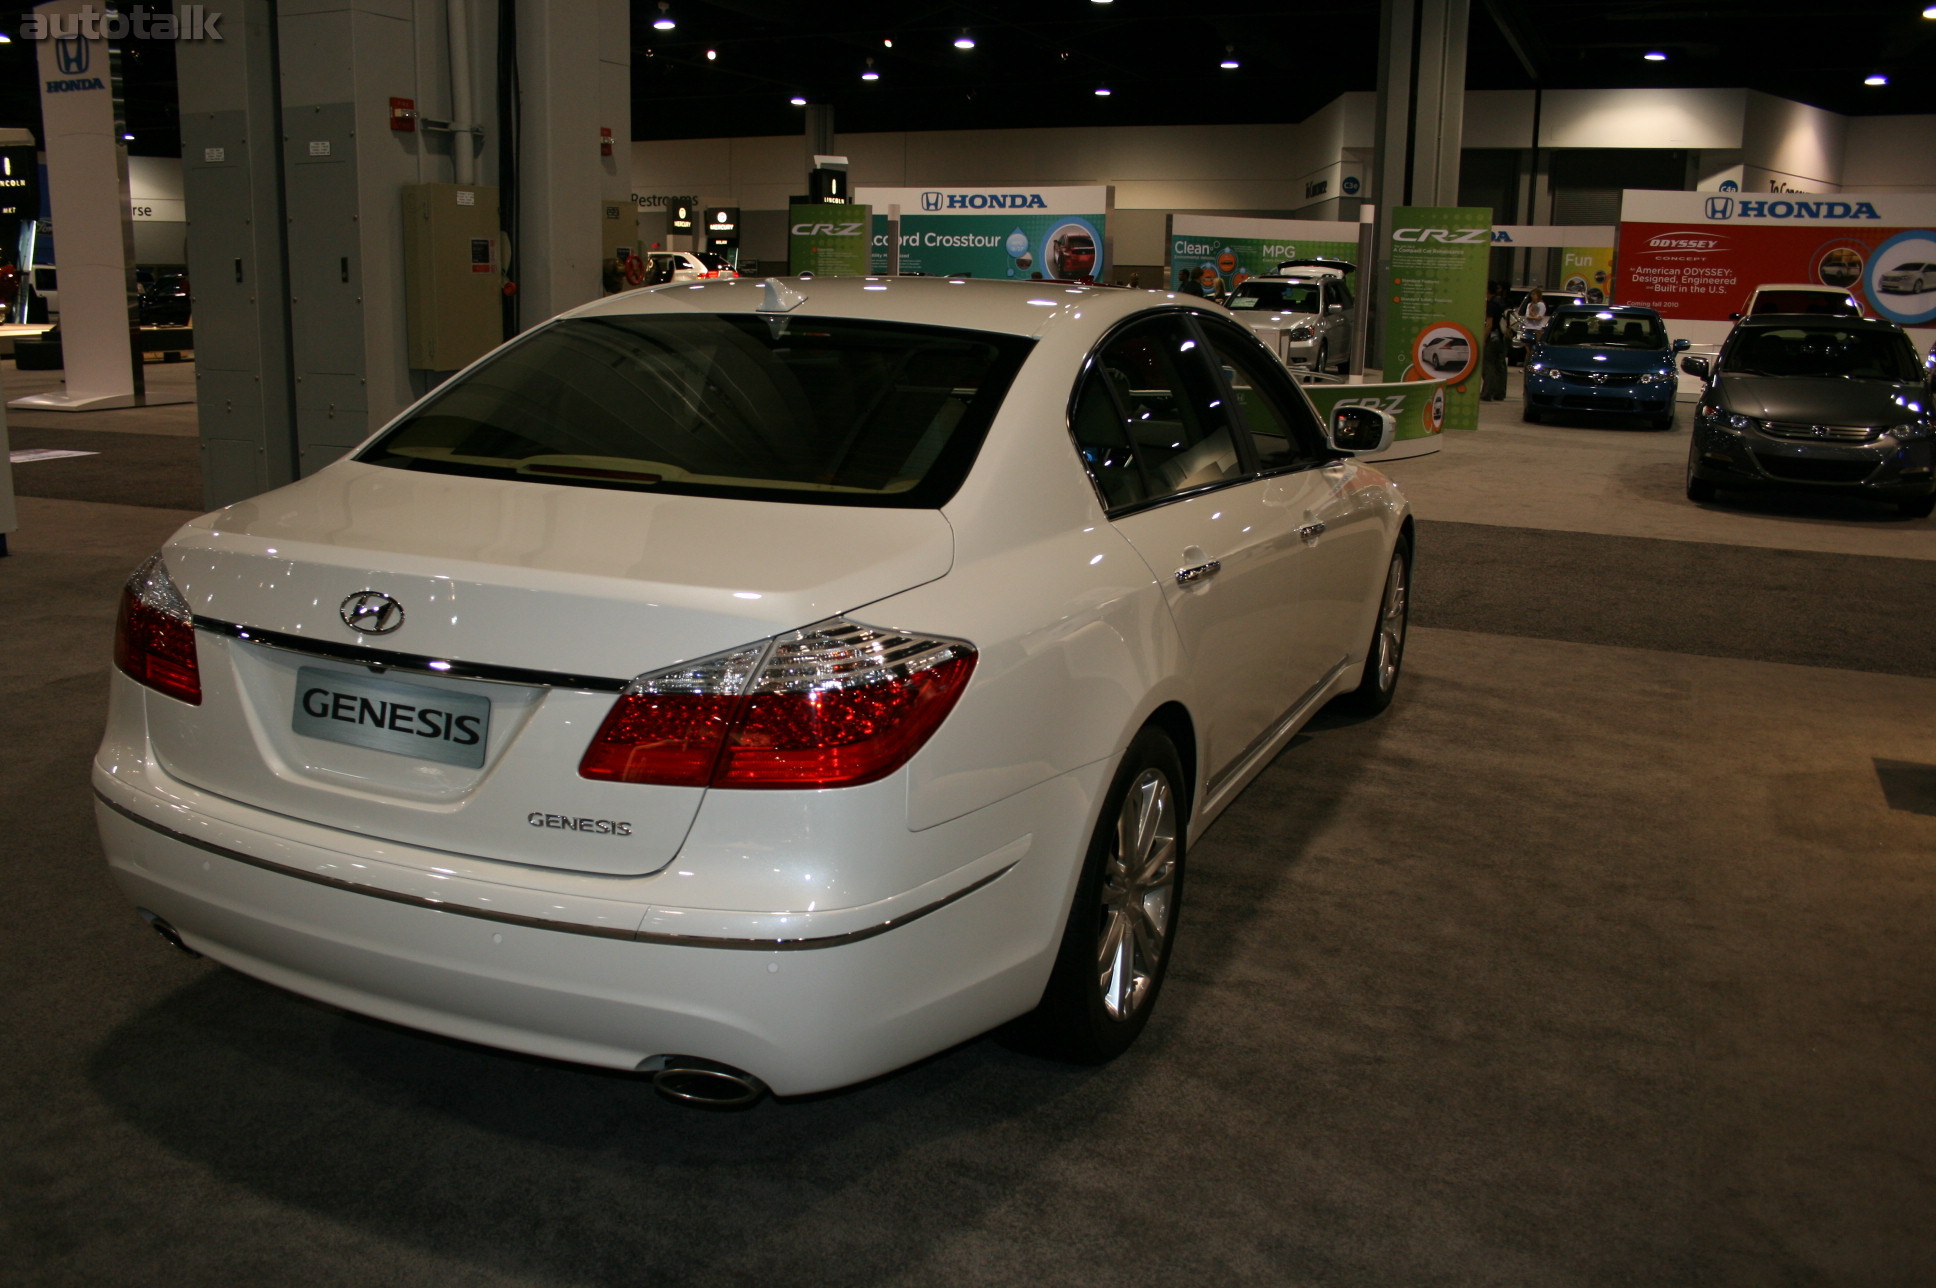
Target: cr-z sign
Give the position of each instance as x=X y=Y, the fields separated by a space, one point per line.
x=1453 y=236
x=826 y=230
x=1392 y=405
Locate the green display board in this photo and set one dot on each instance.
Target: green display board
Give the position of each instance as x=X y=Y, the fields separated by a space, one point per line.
x=1220 y=264
x=1436 y=301
x=1417 y=407
x=829 y=240
x=1018 y=232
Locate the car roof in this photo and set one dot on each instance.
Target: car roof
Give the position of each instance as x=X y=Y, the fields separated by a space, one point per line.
x=1764 y=321
x=1292 y=277
x=1618 y=310
x=981 y=304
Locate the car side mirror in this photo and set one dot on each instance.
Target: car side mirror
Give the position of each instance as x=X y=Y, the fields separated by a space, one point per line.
x=1695 y=366
x=1681 y=344
x=1734 y=317
x=1337 y=309
x=1361 y=431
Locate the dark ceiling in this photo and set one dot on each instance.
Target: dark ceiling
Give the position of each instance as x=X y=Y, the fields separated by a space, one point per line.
x=1040 y=63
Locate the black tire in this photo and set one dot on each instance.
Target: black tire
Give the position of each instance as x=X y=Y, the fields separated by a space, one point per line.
x=1698 y=488
x=1529 y=414
x=1385 y=657
x=1317 y=360
x=1919 y=508
x=1662 y=422
x=1088 y=1015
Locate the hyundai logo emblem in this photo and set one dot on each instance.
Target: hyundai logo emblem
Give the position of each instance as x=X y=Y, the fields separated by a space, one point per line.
x=372 y=612
x=71 y=54
x=1720 y=207
x=930 y=201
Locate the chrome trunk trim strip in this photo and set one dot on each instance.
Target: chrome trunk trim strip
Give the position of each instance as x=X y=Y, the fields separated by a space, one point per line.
x=381 y=660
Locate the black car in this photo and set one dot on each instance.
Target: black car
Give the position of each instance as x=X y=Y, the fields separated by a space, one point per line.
x=167 y=302
x=1828 y=404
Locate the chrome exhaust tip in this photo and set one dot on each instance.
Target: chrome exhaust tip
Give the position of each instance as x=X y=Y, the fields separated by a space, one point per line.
x=167 y=932
x=706 y=1084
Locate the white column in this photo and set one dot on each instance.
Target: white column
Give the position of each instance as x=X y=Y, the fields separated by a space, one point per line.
x=574 y=64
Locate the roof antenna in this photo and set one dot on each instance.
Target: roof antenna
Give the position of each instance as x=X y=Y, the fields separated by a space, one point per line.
x=779 y=297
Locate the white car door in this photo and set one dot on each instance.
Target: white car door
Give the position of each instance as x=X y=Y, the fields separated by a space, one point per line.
x=1314 y=497
x=1154 y=427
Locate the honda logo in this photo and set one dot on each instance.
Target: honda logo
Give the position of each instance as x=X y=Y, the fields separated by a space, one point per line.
x=1720 y=207
x=930 y=201
x=71 y=55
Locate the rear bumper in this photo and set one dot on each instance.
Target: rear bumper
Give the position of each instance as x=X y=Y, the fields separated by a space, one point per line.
x=607 y=976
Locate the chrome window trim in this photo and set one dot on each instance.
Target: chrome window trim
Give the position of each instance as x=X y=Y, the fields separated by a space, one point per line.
x=381 y=660
x=560 y=927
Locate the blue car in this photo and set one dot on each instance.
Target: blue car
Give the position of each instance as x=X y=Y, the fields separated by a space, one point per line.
x=1608 y=359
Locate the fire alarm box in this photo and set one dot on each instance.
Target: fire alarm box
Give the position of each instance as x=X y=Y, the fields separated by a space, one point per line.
x=453 y=268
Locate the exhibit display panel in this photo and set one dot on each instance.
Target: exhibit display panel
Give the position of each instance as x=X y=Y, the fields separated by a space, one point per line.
x=1696 y=256
x=1439 y=256
x=829 y=239
x=1013 y=231
x=1219 y=253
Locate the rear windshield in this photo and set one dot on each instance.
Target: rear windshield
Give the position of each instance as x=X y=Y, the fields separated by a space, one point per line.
x=1277 y=297
x=1607 y=331
x=1805 y=302
x=1823 y=351
x=827 y=411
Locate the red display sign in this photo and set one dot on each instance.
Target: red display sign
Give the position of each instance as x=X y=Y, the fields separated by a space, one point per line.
x=1696 y=256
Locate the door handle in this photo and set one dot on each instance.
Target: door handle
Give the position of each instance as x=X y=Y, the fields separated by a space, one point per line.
x=1202 y=572
x=1311 y=531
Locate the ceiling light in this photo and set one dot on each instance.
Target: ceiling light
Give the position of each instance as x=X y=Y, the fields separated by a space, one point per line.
x=1930 y=12
x=712 y=55
x=1877 y=79
x=1102 y=91
x=1655 y=56
x=798 y=100
x=5 y=39
x=964 y=41
x=887 y=42
x=664 y=21
x=128 y=137
x=1230 y=63
x=869 y=74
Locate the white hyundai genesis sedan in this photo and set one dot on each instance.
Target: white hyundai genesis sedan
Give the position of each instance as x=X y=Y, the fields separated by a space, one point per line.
x=759 y=685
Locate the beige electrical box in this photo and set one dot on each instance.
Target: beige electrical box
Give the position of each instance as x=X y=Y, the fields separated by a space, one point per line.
x=453 y=268
x=621 y=230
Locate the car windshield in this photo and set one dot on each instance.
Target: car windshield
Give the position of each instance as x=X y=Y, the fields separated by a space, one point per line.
x=1277 y=297
x=1833 y=304
x=1607 y=331
x=830 y=411
x=1823 y=351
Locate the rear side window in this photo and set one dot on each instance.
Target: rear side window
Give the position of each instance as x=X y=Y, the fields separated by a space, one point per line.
x=829 y=411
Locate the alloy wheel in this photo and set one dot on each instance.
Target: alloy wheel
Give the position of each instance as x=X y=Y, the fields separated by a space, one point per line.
x=1138 y=883
x=1391 y=625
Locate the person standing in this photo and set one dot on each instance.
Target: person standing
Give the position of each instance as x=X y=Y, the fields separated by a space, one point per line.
x=1492 y=381
x=1534 y=314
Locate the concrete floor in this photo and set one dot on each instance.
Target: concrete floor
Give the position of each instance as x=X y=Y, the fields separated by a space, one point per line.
x=1586 y=964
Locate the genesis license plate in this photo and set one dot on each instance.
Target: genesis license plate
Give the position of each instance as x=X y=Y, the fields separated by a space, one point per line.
x=386 y=715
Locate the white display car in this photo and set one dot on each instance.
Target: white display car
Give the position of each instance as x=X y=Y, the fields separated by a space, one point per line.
x=1303 y=311
x=756 y=684
x=688 y=266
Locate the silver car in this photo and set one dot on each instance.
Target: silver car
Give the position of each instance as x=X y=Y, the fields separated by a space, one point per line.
x=1910 y=278
x=1303 y=312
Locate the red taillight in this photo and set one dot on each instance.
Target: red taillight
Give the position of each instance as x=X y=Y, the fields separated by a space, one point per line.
x=154 y=639
x=834 y=705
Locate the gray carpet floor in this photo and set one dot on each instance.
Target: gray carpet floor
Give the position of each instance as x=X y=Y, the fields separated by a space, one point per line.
x=1603 y=958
